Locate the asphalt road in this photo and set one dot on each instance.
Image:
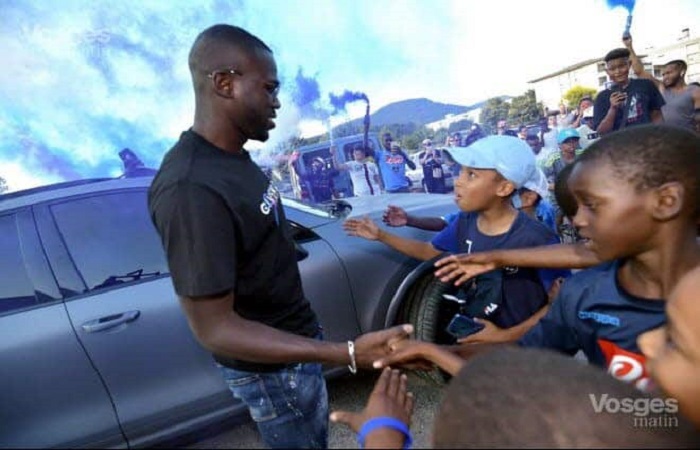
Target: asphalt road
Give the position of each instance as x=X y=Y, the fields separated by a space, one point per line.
x=348 y=393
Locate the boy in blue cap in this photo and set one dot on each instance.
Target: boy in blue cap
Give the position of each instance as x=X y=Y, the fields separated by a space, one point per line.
x=493 y=169
x=568 y=140
x=637 y=194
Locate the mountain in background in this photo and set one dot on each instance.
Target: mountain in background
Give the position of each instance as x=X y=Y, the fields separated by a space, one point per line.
x=418 y=111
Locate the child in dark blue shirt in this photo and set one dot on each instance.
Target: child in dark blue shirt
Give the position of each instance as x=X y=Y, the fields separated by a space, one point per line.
x=493 y=169
x=637 y=207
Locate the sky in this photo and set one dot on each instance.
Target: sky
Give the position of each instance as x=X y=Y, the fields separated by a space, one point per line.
x=91 y=77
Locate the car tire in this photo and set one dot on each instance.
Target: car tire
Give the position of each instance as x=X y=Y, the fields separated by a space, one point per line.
x=429 y=314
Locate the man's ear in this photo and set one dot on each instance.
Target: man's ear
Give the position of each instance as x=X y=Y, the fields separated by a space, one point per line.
x=223 y=85
x=667 y=201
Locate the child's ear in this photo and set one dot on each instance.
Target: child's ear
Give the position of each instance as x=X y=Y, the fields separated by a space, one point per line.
x=668 y=201
x=505 y=188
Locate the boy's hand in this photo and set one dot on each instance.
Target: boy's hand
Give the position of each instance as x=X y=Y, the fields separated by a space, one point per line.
x=617 y=99
x=389 y=398
x=364 y=228
x=464 y=266
x=491 y=334
x=371 y=346
x=395 y=216
x=421 y=355
x=409 y=354
x=627 y=41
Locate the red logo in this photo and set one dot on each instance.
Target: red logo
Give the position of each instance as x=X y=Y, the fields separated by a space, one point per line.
x=625 y=365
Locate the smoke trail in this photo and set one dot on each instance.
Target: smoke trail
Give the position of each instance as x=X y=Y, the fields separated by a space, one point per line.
x=627 y=4
x=306 y=95
x=340 y=101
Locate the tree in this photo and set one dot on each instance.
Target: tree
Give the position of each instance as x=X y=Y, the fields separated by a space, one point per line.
x=573 y=96
x=494 y=109
x=524 y=109
x=3 y=185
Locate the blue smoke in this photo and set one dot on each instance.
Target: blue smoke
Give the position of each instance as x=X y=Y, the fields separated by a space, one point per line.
x=339 y=102
x=627 y=4
x=306 y=95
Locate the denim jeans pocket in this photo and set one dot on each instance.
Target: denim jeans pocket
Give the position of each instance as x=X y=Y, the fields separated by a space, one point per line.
x=252 y=391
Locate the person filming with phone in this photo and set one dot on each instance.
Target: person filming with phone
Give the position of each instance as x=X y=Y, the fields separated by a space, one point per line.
x=625 y=102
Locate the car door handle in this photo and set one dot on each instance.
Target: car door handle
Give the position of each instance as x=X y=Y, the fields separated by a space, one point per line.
x=107 y=322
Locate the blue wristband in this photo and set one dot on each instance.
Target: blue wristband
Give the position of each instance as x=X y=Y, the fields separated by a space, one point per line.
x=379 y=422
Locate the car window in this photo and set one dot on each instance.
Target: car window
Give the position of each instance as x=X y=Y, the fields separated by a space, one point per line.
x=16 y=289
x=111 y=238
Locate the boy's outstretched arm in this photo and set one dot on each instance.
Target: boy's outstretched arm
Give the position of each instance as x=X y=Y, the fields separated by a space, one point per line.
x=492 y=334
x=395 y=216
x=462 y=267
x=366 y=228
x=413 y=353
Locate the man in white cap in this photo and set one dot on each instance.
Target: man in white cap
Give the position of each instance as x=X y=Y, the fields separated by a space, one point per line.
x=587 y=134
x=433 y=175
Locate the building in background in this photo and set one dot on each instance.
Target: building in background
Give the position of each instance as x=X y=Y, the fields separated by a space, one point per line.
x=590 y=73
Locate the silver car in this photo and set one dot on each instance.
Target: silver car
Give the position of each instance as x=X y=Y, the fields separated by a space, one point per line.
x=94 y=349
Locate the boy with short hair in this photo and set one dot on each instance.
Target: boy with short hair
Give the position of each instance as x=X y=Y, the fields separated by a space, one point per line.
x=637 y=192
x=627 y=102
x=493 y=169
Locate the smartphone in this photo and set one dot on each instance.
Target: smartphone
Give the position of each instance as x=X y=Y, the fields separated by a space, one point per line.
x=462 y=326
x=611 y=85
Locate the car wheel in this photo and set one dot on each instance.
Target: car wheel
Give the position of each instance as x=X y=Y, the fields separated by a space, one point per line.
x=430 y=313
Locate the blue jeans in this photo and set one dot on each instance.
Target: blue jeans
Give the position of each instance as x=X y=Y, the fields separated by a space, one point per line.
x=289 y=407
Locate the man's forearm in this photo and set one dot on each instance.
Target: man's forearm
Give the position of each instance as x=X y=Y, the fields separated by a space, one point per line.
x=422 y=251
x=234 y=337
x=409 y=163
x=637 y=65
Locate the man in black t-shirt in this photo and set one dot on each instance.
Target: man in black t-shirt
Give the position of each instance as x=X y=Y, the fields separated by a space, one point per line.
x=626 y=102
x=230 y=254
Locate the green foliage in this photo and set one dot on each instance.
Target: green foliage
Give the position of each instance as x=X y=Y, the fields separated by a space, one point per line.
x=574 y=95
x=524 y=109
x=494 y=109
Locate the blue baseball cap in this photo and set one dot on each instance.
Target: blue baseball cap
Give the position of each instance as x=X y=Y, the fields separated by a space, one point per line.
x=507 y=155
x=567 y=133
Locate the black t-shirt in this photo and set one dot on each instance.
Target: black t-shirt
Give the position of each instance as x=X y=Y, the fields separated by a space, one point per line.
x=642 y=98
x=223 y=228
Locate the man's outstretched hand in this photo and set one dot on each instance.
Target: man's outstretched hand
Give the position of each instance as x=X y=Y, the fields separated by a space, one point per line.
x=375 y=345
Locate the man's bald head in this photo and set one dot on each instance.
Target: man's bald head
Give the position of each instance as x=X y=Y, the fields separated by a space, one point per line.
x=221 y=47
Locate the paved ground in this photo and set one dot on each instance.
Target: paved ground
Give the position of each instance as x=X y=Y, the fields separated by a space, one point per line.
x=348 y=393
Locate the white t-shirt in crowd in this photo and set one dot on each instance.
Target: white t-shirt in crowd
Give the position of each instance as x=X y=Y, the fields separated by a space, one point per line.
x=363 y=175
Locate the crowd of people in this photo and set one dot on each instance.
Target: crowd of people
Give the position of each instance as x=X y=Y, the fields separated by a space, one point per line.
x=622 y=291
